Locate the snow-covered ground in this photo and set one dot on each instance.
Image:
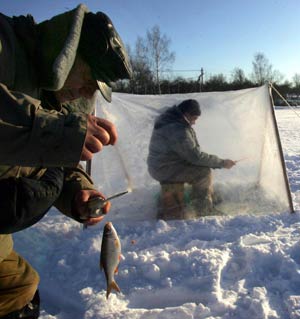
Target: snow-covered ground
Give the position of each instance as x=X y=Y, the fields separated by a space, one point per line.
x=238 y=267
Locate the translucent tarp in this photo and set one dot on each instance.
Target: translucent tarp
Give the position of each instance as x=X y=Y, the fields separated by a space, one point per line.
x=237 y=125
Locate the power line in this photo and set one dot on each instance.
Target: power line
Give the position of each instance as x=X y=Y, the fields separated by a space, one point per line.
x=181 y=70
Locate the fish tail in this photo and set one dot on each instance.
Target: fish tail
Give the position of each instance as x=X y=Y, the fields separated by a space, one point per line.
x=112 y=286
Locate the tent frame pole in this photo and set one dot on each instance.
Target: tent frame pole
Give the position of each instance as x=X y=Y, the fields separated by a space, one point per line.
x=286 y=180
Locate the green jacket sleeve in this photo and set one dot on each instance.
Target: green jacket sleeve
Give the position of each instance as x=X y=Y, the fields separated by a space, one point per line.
x=33 y=136
x=184 y=143
x=76 y=179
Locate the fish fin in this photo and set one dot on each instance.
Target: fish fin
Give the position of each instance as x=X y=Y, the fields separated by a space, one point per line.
x=112 y=286
x=116 y=270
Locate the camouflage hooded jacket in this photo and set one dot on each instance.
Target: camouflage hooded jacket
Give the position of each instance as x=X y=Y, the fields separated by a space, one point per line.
x=174 y=145
x=35 y=59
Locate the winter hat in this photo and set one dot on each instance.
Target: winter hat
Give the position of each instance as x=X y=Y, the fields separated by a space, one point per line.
x=190 y=106
x=102 y=48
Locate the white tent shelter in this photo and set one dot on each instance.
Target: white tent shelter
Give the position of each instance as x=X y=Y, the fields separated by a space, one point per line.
x=239 y=125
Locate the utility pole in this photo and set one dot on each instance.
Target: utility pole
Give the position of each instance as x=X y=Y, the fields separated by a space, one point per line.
x=200 y=80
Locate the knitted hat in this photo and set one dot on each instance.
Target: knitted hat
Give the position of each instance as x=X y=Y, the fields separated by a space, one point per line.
x=102 y=48
x=190 y=106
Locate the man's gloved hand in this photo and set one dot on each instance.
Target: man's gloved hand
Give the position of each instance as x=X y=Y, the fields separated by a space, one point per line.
x=229 y=163
x=100 y=132
x=80 y=206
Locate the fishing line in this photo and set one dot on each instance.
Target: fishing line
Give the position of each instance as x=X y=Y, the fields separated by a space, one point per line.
x=118 y=152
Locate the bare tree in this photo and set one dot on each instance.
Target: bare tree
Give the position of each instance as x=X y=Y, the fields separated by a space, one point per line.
x=238 y=76
x=296 y=80
x=141 y=67
x=263 y=70
x=142 y=79
x=158 y=53
x=216 y=82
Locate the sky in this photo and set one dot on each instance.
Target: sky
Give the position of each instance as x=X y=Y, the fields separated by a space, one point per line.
x=215 y=35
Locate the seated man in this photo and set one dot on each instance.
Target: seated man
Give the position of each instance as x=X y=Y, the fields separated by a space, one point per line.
x=175 y=155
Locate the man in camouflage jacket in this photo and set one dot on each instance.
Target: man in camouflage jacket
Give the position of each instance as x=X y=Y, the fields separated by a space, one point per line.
x=49 y=73
x=175 y=155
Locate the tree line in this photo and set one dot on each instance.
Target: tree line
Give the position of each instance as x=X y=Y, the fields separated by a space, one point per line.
x=152 y=60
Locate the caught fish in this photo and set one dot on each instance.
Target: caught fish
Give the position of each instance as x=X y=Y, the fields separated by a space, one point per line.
x=110 y=256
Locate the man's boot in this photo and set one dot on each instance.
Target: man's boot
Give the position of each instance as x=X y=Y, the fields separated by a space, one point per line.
x=171 y=201
x=30 y=311
x=202 y=199
x=203 y=205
